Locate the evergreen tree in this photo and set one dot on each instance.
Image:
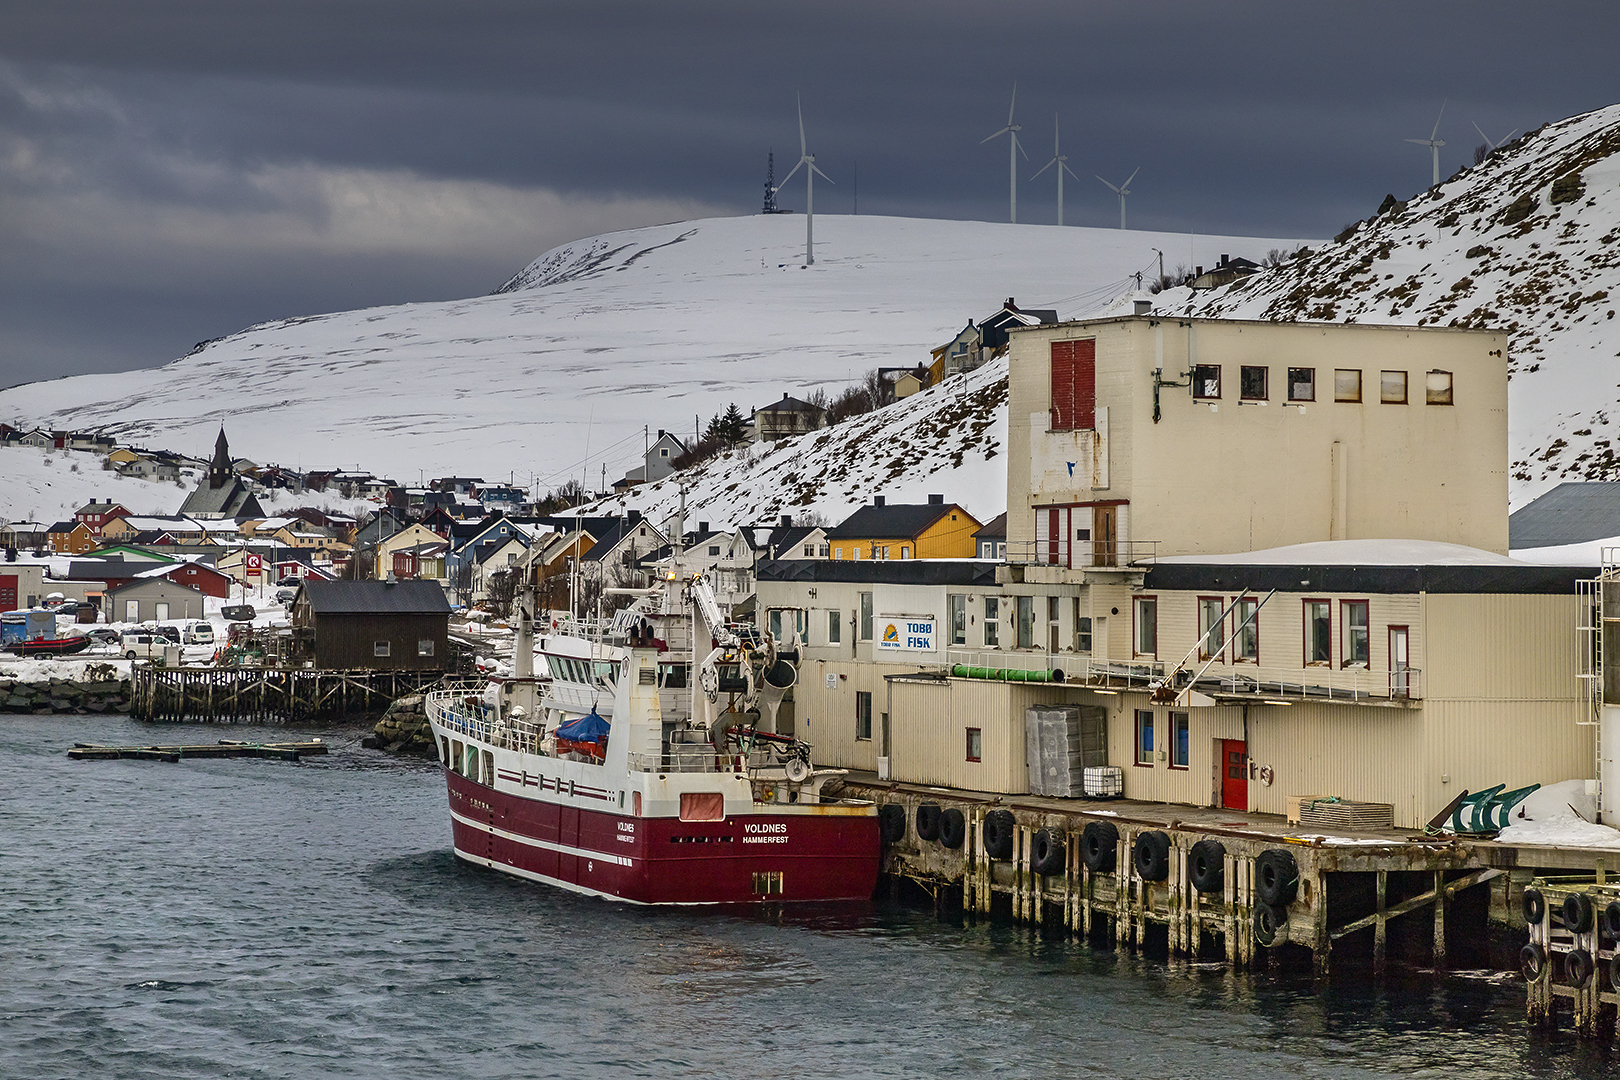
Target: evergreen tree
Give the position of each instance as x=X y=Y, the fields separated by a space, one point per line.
x=733 y=428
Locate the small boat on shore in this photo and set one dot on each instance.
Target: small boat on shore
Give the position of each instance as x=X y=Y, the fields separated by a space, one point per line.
x=648 y=803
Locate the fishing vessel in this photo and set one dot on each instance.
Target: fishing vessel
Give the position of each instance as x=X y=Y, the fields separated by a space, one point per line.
x=614 y=783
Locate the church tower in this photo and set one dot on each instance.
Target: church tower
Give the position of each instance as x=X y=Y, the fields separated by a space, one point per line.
x=220 y=472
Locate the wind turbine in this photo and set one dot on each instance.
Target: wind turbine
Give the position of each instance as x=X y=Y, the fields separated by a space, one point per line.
x=1433 y=143
x=806 y=158
x=1062 y=162
x=1122 y=191
x=1012 y=156
x=1498 y=142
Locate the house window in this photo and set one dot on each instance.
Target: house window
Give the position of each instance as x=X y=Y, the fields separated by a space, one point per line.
x=838 y=553
x=824 y=551
x=835 y=628
x=1206 y=380
x=1246 y=635
x=1392 y=387
x=1211 y=632
x=663 y=451
x=1179 y=749
x=1318 y=632
x=975 y=744
x=1074 y=385
x=1082 y=629
x=958 y=604
x=1353 y=632
x=992 y=622
x=809 y=551
x=866 y=616
x=905 y=553
x=1144 y=737
x=863 y=714
x=1252 y=382
x=424 y=647
x=885 y=551
x=1301 y=384
x=511 y=558
x=714 y=549
x=1437 y=388
x=1146 y=610
x=379 y=648
x=1347 y=384
x=1026 y=622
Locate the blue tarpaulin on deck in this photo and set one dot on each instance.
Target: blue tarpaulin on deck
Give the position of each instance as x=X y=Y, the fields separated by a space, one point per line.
x=587 y=728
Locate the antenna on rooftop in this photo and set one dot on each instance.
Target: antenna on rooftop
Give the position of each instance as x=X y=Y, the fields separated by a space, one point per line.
x=806 y=158
x=1434 y=144
x=1122 y=191
x=1012 y=156
x=1061 y=160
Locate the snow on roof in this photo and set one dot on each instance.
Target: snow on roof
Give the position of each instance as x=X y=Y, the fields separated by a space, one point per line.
x=1586 y=553
x=1359 y=553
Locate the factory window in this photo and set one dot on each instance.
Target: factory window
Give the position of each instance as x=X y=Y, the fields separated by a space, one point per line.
x=1392 y=387
x=1252 y=382
x=835 y=629
x=1353 y=632
x=379 y=648
x=1206 y=380
x=975 y=744
x=1054 y=608
x=1318 y=632
x=1144 y=737
x=1026 y=622
x=1147 y=626
x=1246 y=635
x=1437 y=387
x=1211 y=628
x=424 y=647
x=1082 y=629
x=866 y=616
x=1301 y=384
x=958 y=603
x=1179 y=749
x=1347 y=384
x=992 y=622
x=863 y=714
x=1074 y=385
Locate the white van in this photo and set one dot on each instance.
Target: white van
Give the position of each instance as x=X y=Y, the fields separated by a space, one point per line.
x=136 y=645
x=197 y=633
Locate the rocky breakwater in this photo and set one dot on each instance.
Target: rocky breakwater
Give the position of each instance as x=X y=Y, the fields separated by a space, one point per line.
x=403 y=728
x=70 y=697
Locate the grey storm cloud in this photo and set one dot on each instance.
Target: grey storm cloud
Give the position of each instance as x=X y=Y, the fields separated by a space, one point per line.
x=174 y=170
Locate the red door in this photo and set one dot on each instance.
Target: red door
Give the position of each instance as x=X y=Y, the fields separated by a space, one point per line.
x=8 y=592
x=1234 y=775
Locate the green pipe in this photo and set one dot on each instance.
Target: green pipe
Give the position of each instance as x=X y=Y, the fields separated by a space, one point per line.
x=962 y=671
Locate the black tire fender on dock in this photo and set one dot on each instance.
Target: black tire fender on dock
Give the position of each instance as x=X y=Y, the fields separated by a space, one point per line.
x=892 y=822
x=1534 y=906
x=1578 y=913
x=928 y=821
x=1532 y=962
x=1611 y=919
x=1270 y=923
x=1614 y=971
x=1276 y=877
x=952 y=828
x=1577 y=968
x=998 y=833
x=1151 y=855
x=1099 y=847
x=1048 y=853
x=1206 y=866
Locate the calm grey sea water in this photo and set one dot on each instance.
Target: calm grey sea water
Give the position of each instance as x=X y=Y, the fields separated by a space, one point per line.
x=261 y=919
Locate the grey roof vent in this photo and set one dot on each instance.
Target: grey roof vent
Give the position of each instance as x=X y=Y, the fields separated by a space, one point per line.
x=1144 y=307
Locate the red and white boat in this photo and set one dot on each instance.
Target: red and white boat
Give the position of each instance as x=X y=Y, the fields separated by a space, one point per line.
x=666 y=805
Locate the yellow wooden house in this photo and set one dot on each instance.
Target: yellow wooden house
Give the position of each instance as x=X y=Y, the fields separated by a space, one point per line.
x=932 y=530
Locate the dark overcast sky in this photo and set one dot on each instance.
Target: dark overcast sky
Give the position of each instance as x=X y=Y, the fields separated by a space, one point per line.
x=174 y=170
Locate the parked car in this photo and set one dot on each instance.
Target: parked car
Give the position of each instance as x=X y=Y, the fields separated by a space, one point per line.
x=142 y=645
x=286 y=596
x=169 y=633
x=103 y=636
x=197 y=633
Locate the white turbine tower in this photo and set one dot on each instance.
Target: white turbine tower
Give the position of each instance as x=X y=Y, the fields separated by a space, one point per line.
x=1061 y=160
x=1498 y=142
x=1122 y=191
x=1012 y=156
x=806 y=158
x=1433 y=143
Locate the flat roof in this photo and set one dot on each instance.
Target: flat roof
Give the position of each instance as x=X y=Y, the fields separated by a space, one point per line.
x=976 y=572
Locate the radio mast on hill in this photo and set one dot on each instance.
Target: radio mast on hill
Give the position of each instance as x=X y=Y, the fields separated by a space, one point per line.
x=770 y=184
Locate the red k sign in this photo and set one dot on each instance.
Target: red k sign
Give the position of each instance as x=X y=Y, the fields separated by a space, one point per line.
x=254 y=564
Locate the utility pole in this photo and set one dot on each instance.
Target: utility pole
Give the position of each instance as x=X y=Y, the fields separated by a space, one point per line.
x=1161 y=264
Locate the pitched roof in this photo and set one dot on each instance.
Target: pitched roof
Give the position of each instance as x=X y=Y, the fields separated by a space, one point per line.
x=369 y=597
x=879 y=522
x=231 y=499
x=995 y=529
x=1571 y=513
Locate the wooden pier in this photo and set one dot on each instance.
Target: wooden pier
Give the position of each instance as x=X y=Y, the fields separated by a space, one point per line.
x=225 y=748
x=267 y=694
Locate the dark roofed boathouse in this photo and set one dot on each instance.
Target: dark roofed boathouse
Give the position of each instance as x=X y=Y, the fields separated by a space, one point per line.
x=377 y=625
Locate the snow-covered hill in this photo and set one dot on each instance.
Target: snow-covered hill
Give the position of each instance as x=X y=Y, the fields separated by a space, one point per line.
x=1527 y=241
x=557 y=375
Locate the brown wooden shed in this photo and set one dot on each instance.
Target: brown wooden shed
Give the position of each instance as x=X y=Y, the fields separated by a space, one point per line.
x=380 y=625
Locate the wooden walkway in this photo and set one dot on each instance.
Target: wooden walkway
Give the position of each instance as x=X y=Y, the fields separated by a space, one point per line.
x=267 y=694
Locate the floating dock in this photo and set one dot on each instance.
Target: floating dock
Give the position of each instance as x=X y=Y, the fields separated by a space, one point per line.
x=225 y=748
